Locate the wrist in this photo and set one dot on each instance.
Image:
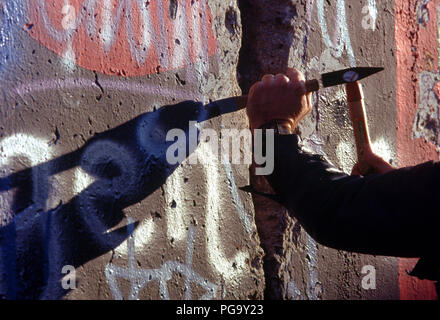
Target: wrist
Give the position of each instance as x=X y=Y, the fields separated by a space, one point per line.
x=281 y=126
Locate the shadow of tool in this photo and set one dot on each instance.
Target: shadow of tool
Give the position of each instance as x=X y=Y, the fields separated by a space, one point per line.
x=127 y=163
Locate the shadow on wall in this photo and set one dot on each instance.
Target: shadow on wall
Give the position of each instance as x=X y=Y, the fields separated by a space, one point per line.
x=35 y=244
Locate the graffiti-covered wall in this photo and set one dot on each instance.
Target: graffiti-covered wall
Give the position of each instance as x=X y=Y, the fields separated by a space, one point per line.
x=89 y=92
x=417 y=139
x=318 y=36
x=91 y=207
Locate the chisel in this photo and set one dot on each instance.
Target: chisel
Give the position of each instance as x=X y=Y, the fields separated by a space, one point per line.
x=356 y=106
x=329 y=79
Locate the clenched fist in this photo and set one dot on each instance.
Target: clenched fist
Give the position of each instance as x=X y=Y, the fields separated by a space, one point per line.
x=282 y=97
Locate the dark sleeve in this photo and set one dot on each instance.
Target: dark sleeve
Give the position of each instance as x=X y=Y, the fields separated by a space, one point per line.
x=393 y=214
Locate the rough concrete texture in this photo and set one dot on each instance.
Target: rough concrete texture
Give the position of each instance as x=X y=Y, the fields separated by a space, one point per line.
x=417 y=140
x=84 y=109
x=315 y=37
x=89 y=90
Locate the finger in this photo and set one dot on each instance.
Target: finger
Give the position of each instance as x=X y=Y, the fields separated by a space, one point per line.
x=297 y=81
x=309 y=102
x=267 y=78
x=373 y=159
x=281 y=79
x=254 y=87
x=295 y=75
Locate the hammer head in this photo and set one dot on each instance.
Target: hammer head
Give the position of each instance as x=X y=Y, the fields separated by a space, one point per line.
x=347 y=75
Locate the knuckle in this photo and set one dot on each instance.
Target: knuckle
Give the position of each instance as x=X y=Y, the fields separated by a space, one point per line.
x=281 y=79
x=256 y=86
x=267 y=77
x=295 y=74
x=299 y=88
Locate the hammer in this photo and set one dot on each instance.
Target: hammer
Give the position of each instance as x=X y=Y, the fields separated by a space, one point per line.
x=355 y=100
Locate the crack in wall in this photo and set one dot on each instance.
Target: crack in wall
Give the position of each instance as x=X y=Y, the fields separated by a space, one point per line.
x=268 y=32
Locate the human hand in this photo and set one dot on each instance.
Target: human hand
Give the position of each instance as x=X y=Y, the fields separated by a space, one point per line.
x=375 y=162
x=281 y=97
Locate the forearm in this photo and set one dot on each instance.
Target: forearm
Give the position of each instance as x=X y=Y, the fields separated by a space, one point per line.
x=379 y=214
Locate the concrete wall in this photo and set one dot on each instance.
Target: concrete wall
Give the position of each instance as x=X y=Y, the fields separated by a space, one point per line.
x=89 y=90
x=417 y=138
x=319 y=36
x=84 y=111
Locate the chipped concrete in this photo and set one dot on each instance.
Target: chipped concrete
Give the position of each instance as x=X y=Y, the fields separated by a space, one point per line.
x=426 y=120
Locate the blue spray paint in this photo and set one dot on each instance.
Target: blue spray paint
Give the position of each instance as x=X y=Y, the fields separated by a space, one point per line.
x=8 y=267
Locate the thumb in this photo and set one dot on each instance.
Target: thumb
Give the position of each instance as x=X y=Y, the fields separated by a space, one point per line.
x=378 y=163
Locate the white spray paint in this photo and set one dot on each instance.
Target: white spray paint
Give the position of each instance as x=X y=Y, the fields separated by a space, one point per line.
x=139 y=278
x=228 y=268
x=245 y=219
x=181 y=52
x=81 y=180
x=112 y=18
x=68 y=23
x=342 y=35
x=200 y=44
x=293 y=292
x=69 y=59
x=175 y=209
x=313 y=285
x=37 y=151
x=84 y=182
x=370 y=12
x=111 y=25
x=142 y=235
x=107 y=35
x=382 y=148
x=147 y=29
x=175 y=190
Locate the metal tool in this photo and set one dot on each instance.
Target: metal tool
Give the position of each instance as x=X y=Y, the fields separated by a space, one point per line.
x=340 y=77
x=356 y=105
x=327 y=80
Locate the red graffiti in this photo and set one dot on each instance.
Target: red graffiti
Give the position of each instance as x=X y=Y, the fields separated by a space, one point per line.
x=124 y=37
x=410 y=151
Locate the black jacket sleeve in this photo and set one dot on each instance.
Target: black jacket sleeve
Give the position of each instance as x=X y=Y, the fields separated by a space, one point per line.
x=393 y=214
